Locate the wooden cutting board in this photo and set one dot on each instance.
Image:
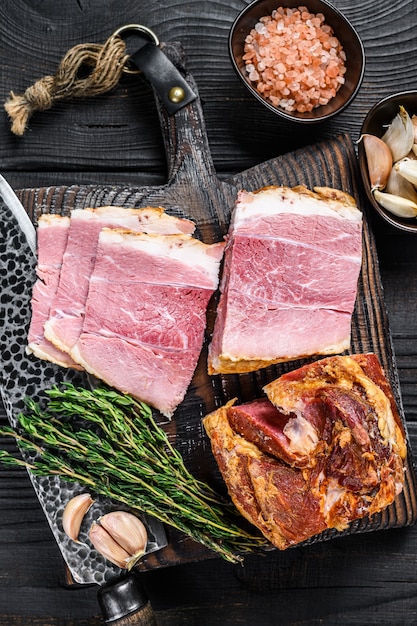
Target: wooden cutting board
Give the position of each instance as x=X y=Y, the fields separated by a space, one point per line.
x=193 y=190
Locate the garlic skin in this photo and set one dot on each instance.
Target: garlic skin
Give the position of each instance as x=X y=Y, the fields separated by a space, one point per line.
x=399 y=135
x=400 y=186
x=414 y=123
x=408 y=169
x=401 y=207
x=73 y=515
x=122 y=538
x=379 y=160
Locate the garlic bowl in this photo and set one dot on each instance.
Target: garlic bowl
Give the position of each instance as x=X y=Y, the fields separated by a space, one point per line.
x=376 y=123
x=307 y=39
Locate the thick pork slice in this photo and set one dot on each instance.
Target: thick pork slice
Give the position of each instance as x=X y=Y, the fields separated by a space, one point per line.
x=66 y=318
x=328 y=450
x=146 y=313
x=52 y=234
x=290 y=276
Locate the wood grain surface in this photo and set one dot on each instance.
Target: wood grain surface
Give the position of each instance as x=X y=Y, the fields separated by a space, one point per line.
x=116 y=139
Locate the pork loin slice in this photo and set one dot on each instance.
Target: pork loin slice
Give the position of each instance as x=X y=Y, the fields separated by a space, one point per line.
x=332 y=431
x=66 y=318
x=290 y=276
x=145 y=315
x=52 y=234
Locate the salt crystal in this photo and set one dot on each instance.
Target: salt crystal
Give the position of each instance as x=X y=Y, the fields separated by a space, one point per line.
x=296 y=46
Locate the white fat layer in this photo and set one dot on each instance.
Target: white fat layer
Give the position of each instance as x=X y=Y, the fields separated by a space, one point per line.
x=330 y=349
x=182 y=248
x=302 y=435
x=52 y=219
x=90 y=214
x=274 y=201
x=148 y=219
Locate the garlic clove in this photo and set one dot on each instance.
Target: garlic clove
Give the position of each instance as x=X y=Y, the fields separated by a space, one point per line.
x=129 y=532
x=107 y=546
x=408 y=169
x=401 y=207
x=379 y=160
x=400 y=186
x=399 y=135
x=73 y=515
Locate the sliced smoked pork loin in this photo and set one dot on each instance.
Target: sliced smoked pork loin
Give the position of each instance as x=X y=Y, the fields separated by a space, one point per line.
x=289 y=281
x=66 y=317
x=324 y=448
x=126 y=304
x=145 y=314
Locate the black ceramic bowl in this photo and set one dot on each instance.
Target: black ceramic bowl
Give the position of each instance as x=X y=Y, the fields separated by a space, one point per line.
x=375 y=123
x=343 y=30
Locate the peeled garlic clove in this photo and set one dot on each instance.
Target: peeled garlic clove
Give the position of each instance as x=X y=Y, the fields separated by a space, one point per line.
x=399 y=135
x=379 y=160
x=408 y=169
x=107 y=546
x=400 y=186
x=73 y=515
x=401 y=207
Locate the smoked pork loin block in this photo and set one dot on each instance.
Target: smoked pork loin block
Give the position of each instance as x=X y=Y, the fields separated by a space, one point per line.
x=145 y=315
x=66 y=316
x=289 y=281
x=52 y=235
x=325 y=447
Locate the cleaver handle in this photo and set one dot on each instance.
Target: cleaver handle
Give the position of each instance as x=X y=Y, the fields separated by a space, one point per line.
x=125 y=603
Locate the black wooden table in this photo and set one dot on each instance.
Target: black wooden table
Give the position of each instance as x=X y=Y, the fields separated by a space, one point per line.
x=115 y=139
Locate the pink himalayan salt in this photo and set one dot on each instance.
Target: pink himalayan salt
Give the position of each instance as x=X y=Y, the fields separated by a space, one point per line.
x=294 y=59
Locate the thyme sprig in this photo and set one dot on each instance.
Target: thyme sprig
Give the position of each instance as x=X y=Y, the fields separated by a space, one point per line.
x=111 y=443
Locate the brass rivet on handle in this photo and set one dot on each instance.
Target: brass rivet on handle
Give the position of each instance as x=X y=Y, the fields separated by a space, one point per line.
x=176 y=94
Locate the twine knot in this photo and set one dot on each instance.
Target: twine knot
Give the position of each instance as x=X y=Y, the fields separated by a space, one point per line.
x=86 y=70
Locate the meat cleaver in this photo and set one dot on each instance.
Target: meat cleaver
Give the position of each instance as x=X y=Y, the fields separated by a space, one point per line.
x=121 y=597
